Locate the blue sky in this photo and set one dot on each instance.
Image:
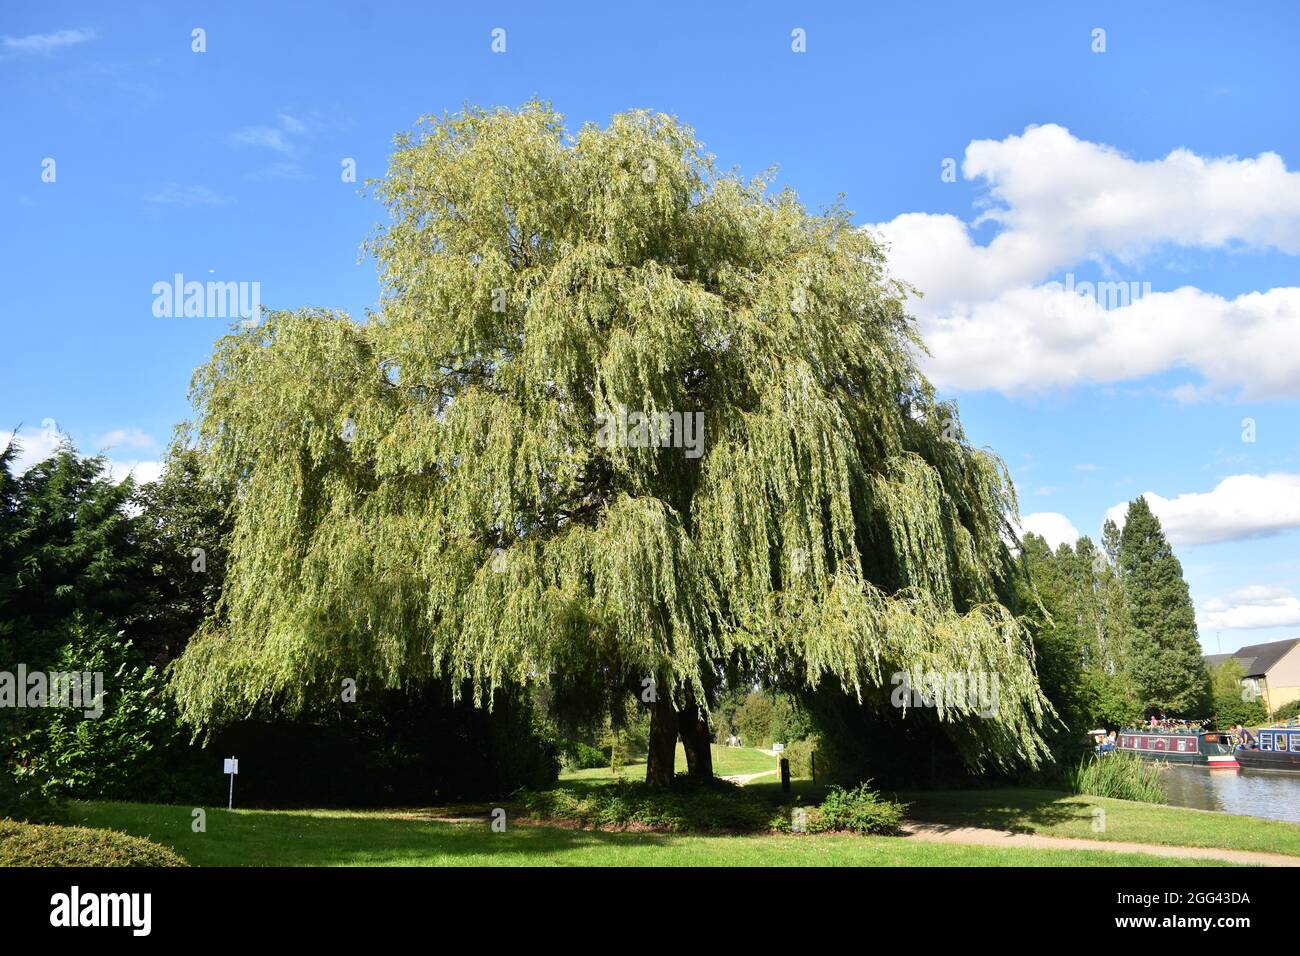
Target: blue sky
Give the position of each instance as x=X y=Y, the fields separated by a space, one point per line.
x=1167 y=159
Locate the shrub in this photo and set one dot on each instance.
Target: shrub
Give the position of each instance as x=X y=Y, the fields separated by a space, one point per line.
x=1118 y=775
x=790 y=722
x=688 y=807
x=136 y=747
x=32 y=844
x=800 y=755
x=1230 y=709
x=1288 y=711
x=21 y=796
x=580 y=756
x=753 y=720
x=860 y=810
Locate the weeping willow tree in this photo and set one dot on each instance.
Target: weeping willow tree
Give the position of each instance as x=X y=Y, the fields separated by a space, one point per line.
x=434 y=494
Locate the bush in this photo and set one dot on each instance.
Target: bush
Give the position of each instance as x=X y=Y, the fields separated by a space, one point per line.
x=1287 y=711
x=1118 y=775
x=860 y=810
x=800 y=754
x=790 y=722
x=1230 y=709
x=688 y=807
x=31 y=844
x=136 y=748
x=22 y=797
x=753 y=720
x=580 y=756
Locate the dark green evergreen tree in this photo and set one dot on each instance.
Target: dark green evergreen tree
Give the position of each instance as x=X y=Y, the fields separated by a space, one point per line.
x=1165 y=654
x=66 y=549
x=1070 y=604
x=184 y=526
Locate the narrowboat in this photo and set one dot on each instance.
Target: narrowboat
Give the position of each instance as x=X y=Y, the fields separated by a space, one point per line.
x=1277 y=748
x=1206 y=748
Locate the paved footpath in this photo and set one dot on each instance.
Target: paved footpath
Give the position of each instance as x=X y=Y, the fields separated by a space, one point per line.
x=744 y=778
x=977 y=836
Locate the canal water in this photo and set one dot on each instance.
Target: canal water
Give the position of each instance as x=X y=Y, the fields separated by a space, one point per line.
x=1251 y=793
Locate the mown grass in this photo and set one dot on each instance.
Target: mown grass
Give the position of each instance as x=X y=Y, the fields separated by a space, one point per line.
x=727 y=761
x=416 y=838
x=1070 y=815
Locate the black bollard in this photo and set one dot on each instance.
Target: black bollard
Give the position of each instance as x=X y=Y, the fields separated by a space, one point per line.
x=785 y=775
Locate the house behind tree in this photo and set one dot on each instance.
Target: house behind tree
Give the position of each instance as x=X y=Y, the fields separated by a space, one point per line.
x=1272 y=671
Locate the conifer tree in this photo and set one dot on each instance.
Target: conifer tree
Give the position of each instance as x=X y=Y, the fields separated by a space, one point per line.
x=1164 y=653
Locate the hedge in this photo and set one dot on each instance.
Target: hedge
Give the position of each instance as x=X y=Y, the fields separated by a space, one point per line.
x=35 y=844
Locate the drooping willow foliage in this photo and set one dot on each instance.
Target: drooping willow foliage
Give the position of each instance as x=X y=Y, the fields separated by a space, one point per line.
x=423 y=495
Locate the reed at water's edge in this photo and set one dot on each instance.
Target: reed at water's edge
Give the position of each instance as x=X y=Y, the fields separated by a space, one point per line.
x=1119 y=775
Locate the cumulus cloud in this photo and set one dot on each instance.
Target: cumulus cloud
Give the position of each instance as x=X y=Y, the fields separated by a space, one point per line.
x=36 y=445
x=1033 y=339
x=142 y=471
x=1240 y=506
x=1000 y=315
x=1250 y=607
x=1055 y=528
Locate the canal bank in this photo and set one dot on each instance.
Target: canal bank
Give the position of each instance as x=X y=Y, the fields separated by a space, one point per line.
x=1081 y=817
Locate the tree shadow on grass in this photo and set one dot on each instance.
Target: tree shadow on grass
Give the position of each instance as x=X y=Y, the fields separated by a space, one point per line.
x=399 y=837
x=1016 y=811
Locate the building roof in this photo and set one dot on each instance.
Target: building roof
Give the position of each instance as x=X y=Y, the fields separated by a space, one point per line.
x=1256 y=659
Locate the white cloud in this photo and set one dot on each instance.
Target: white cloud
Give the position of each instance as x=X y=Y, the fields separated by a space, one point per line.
x=142 y=471
x=996 y=315
x=1032 y=339
x=1240 y=506
x=36 y=445
x=125 y=438
x=277 y=171
x=291 y=124
x=1251 y=607
x=175 y=194
x=1056 y=528
x=41 y=44
x=265 y=136
x=278 y=138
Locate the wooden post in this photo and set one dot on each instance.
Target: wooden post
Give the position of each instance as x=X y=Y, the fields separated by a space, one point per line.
x=813 y=760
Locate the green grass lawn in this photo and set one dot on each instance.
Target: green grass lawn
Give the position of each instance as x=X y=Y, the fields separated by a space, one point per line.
x=1067 y=815
x=727 y=761
x=456 y=836
x=414 y=838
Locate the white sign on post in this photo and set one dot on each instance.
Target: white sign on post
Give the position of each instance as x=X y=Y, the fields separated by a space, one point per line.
x=232 y=768
x=778 y=748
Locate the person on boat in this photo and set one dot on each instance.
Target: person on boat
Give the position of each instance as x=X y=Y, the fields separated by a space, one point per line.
x=1109 y=743
x=1245 y=739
